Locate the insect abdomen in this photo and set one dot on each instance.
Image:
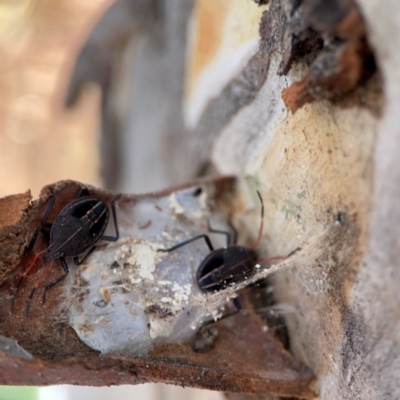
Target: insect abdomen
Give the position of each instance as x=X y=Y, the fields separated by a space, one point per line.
x=224 y=267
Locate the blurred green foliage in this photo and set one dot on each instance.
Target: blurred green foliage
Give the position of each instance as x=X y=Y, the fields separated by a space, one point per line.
x=18 y=393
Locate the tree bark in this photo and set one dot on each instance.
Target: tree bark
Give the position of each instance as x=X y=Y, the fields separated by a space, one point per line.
x=308 y=118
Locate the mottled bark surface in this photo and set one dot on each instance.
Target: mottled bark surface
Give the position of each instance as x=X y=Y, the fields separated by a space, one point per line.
x=13 y=233
x=330 y=38
x=243 y=358
x=311 y=121
x=330 y=165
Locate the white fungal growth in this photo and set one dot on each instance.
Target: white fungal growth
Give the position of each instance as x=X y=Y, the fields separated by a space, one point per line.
x=145 y=260
x=176 y=208
x=160 y=282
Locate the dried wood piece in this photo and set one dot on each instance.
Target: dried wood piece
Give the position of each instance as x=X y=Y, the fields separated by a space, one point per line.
x=244 y=359
x=13 y=232
x=329 y=38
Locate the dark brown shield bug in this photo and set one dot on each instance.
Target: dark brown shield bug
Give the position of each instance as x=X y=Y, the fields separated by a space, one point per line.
x=228 y=265
x=74 y=232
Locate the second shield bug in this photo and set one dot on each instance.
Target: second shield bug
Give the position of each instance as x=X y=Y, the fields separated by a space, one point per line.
x=227 y=265
x=74 y=232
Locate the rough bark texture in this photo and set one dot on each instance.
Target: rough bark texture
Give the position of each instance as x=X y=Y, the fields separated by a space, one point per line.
x=150 y=116
x=370 y=347
x=327 y=166
x=243 y=358
x=312 y=123
x=13 y=232
x=329 y=37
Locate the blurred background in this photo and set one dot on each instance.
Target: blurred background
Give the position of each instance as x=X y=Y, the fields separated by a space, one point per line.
x=121 y=94
x=40 y=140
x=155 y=391
x=124 y=94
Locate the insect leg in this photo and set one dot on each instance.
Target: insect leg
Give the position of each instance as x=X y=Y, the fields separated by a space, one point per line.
x=43 y=225
x=40 y=229
x=228 y=235
x=116 y=237
x=51 y=284
x=33 y=240
x=41 y=277
x=29 y=249
x=79 y=262
x=46 y=213
x=262 y=222
x=80 y=191
x=293 y=252
x=24 y=275
x=206 y=238
x=238 y=306
x=235 y=232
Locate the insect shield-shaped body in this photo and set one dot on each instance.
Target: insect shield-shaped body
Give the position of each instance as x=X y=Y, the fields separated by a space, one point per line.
x=226 y=266
x=78 y=227
x=74 y=232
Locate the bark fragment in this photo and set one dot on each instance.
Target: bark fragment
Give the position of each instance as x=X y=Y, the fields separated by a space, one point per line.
x=327 y=36
x=13 y=234
x=43 y=349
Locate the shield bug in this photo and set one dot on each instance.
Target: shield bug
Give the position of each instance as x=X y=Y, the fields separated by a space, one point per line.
x=74 y=232
x=228 y=265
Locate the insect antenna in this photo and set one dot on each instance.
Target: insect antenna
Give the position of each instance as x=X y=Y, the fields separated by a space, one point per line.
x=275 y=258
x=257 y=242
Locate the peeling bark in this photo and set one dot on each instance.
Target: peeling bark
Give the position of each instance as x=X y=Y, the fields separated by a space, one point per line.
x=13 y=233
x=312 y=123
x=330 y=39
x=244 y=358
